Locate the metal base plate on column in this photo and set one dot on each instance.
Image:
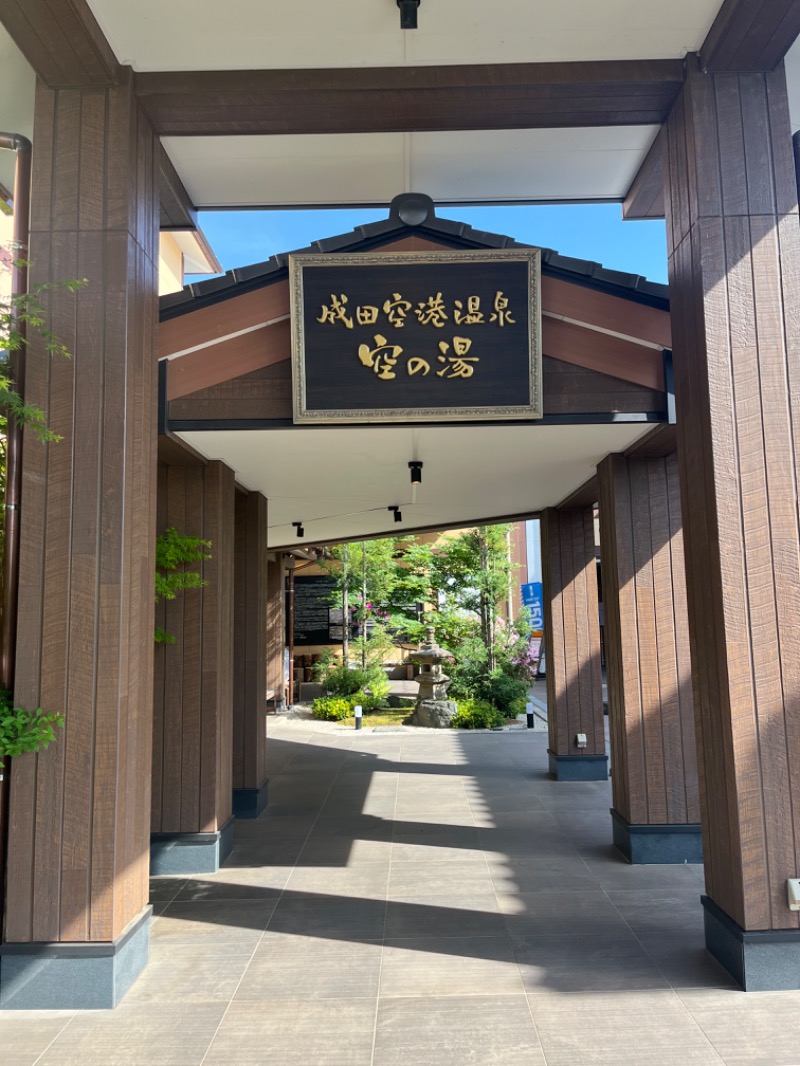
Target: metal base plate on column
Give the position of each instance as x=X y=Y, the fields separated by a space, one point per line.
x=250 y=802
x=761 y=961
x=657 y=844
x=190 y=853
x=65 y=976
x=578 y=767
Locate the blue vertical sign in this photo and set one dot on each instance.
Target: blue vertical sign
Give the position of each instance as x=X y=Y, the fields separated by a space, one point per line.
x=533 y=599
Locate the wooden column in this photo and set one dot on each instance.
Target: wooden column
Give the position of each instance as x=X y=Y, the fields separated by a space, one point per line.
x=656 y=809
x=734 y=264
x=192 y=736
x=572 y=647
x=276 y=630
x=250 y=657
x=79 y=832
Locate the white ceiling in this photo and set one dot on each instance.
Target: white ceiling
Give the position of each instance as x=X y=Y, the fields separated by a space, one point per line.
x=254 y=34
x=372 y=168
x=17 y=88
x=339 y=481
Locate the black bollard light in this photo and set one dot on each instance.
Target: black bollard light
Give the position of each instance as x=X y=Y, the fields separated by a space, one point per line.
x=529 y=714
x=357 y=712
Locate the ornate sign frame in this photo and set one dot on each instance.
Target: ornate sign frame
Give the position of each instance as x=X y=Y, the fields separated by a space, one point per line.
x=301 y=263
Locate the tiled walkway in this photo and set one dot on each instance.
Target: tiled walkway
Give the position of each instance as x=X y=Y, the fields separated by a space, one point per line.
x=432 y=900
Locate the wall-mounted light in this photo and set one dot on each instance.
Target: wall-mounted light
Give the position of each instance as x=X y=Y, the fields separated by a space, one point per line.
x=398 y=516
x=415 y=466
x=408 y=14
x=298 y=526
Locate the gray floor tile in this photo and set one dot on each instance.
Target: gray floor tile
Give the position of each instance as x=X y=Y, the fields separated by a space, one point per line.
x=254 y=883
x=450 y=1031
x=235 y=922
x=295 y=1033
x=137 y=1034
x=343 y=919
x=749 y=1029
x=165 y=889
x=449 y=966
x=499 y=881
x=583 y=963
x=280 y=976
x=189 y=978
x=454 y=878
x=364 y=881
x=312 y=948
x=566 y=913
x=438 y=915
x=25 y=1035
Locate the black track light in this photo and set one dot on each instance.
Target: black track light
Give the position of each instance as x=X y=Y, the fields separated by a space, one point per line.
x=398 y=515
x=415 y=466
x=299 y=529
x=408 y=14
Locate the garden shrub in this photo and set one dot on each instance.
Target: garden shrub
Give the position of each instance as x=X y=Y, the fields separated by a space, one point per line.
x=332 y=708
x=344 y=681
x=518 y=706
x=476 y=714
x=501 y=689
x=337 y=708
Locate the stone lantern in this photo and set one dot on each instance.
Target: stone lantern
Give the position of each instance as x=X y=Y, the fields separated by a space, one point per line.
x=433 y=708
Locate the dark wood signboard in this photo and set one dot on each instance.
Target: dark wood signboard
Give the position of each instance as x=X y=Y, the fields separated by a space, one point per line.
x=316 y=620
x=416 y=336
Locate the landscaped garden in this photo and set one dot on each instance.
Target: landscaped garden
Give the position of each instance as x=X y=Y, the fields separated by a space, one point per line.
x=396 y=590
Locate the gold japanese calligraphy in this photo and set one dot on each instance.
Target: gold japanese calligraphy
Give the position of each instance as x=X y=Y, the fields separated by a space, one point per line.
x=473 y=316
x=336 y=311
x=501 y=314
x=382 y=358
x=432 y=312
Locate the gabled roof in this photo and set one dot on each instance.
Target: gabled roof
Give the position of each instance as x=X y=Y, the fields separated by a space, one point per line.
x=423 y=222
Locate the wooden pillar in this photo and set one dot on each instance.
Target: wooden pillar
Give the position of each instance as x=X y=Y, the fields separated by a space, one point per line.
x=79 y=812
x=656 y=812
x=577 y=750
x=192 y=823
x=250 y=657
x=734 y=267
x=276 y=630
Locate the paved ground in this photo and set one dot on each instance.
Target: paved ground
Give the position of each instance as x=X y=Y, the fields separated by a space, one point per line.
x=432 y=900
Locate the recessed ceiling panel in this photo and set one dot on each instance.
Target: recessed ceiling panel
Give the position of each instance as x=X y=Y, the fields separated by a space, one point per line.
x=492 y=166
x=251 y=34
x=340 y=482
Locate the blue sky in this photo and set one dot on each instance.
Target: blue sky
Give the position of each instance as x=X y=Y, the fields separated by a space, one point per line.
x=586 y=231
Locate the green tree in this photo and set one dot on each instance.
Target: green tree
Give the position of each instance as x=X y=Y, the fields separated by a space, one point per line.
x=175 y=552
x=22 y=316
x=365 y=575
x=465 y=577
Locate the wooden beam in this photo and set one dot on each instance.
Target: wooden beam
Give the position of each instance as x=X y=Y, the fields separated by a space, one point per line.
x=177 y=209
x=645 y=198
x=751 y=35
x=382 y=99
x=62 y=41
x=611 y=314
x=586 y=496
x=603 y=353
x=230 y=359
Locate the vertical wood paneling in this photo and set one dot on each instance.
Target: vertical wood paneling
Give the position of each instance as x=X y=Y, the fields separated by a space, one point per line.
x=192 y=744
x=572 y=632
x=654 y=767
x=734 y=277
x=188 y=714
x=79 y=811
x=250 y=642
x=276 y=627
